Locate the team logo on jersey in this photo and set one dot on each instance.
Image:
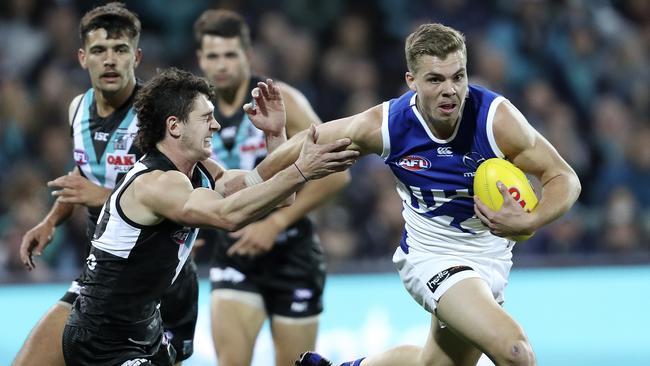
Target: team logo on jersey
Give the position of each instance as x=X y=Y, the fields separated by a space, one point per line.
x=80 y=156
x=180 y=236
x=472 y=160
x=91 y=262
x=122 y=139
x=121 y=162
x=414 y=163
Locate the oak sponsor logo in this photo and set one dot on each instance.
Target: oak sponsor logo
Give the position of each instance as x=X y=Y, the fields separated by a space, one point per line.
x=121 y=162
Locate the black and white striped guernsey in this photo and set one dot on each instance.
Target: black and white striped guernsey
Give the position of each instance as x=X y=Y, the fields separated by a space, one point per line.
x=131 y=265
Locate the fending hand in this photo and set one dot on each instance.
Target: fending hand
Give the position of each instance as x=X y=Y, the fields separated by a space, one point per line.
x=318 y=160
x=266 y=111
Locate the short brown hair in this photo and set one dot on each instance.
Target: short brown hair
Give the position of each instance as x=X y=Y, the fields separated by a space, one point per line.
x=115 y=18
x=222 y=23
x=170 y=93
x=434 y=40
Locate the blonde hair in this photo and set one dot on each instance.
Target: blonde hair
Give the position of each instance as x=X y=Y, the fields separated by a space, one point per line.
x=434 y=40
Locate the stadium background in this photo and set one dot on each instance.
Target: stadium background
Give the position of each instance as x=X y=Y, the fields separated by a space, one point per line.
x=577 y=69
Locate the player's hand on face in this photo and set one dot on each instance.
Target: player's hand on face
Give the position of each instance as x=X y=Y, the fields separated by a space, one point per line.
x=267 y=111
x=34 y=242
x=76 y=189
x=318 y=160
x=510 y=220
x=254 y=239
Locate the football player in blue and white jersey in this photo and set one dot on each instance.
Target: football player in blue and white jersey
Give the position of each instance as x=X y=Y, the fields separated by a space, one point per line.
x=454 y=258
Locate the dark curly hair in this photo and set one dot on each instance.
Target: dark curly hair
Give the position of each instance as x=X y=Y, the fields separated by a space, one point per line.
x=170 y=93
x=222 y=23
x=115 y=18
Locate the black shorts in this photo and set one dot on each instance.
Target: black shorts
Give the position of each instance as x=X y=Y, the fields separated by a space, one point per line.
x=179 y=307
x=85 y=347
x=290 y=278
x=72 y=293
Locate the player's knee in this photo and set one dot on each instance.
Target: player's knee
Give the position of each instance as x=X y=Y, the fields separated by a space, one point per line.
x=517 y=352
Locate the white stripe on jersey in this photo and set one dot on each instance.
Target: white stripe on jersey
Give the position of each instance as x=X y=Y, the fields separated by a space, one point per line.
x=118 y=238
x=489 y=129
x=385 y=135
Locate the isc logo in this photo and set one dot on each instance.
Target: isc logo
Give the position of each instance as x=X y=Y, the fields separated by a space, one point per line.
x=414 y=163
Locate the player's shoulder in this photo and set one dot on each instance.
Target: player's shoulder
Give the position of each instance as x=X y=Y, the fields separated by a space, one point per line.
x=74 y=106
x=290 y=93
x=159 y=181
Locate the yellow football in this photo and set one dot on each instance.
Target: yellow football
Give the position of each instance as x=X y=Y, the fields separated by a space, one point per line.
x=485 y=187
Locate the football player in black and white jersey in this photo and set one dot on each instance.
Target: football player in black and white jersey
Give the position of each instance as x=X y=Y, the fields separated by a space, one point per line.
x=103 y=125
x=149 y=223
x=273 y=268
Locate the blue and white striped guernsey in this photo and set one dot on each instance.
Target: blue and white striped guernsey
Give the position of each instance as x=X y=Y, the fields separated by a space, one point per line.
x=435 y=177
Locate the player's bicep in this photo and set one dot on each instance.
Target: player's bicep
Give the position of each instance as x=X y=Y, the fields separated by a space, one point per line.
x=158 y=194
x=524 y=146
x=364 y=129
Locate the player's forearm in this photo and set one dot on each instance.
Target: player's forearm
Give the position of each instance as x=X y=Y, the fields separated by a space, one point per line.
x=100 y=197
x=314 y=194
x=283 y=156
x=274 y=141
x=59 y=213
x=559 y=193
x=242 y=207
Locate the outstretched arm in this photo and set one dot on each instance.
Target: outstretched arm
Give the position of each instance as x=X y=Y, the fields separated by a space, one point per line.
x=532 y=153
x=363 y=130
x=158 y=195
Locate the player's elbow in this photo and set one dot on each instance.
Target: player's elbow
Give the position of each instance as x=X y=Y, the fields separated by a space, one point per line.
x=574 y=183
x=228 y=218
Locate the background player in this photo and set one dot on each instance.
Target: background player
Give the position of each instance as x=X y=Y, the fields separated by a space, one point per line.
x=453 y=258
x=103 y=125
x=278 y=261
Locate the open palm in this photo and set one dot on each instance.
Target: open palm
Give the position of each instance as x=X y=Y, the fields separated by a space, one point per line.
x=267 y=111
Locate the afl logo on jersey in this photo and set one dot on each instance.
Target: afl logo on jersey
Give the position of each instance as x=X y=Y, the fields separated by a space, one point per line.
x=80 y=156
x=414 y=163
x=180 y=236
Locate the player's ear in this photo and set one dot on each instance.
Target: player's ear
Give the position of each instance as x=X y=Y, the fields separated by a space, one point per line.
x=173 y=126
x=138 y=56
x=410 y=80
x=81 y=56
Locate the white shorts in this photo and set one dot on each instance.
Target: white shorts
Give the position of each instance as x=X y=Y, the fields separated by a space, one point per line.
x=427 y=276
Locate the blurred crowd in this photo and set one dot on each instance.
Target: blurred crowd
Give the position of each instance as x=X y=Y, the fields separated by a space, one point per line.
x=577 y=69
